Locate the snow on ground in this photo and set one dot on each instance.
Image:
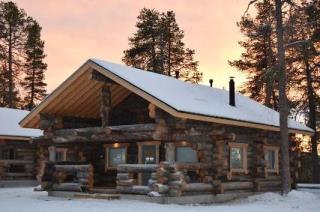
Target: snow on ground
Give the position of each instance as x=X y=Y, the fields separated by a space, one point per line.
x=25 y=200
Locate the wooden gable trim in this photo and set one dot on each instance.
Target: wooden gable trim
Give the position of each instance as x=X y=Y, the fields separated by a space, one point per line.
x=36 y=111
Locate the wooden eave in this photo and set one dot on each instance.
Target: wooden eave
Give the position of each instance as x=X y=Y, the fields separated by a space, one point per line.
x=79 y=96
x=15 y=138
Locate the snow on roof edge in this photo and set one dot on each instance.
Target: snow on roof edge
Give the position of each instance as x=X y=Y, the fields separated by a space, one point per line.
x=9 y=124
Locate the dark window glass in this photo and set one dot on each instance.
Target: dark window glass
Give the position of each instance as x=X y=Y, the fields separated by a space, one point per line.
x=271 y=159
x=149 y=154
x=186 y=155
x=236 y=158
x=60 y=156
x=117 y=156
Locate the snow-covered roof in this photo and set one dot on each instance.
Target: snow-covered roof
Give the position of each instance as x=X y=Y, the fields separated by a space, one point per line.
x=9 y=124
x=179 y=98
x=198 y=99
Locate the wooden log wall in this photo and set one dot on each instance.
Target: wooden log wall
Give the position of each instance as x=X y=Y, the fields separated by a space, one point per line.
x=167 y=179
x=219 y=137
x=211 y=141
x=132 y=110
x=22 y=166
x=68 y=177
x=127 y=183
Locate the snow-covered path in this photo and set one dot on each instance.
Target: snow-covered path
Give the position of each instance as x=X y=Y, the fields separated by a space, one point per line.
x=25 y=200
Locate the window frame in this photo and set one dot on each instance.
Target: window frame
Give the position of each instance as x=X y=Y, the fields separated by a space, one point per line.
x=276 y=149
x=148 y=143
x=114 y=146
x=140 y=154
x=244 y=146
x=184 y=144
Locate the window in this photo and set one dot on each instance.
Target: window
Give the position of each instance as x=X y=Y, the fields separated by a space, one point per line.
x=271 y=156
x=238 y=157
x=185 y=154
x=115 y=154
x=8 y=154
x=61 y=154
x=149 y=154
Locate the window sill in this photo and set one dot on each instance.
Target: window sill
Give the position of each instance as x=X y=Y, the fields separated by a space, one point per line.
x=272 y=171
x=241 y=171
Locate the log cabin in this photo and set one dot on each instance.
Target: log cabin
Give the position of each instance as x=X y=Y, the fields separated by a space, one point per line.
x=17 y=152
x=111 y=127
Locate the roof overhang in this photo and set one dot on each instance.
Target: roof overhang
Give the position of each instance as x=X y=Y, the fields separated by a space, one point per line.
x=33 y=117
x=16 y=138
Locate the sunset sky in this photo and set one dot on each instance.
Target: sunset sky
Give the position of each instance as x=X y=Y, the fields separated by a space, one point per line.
x=75 y=30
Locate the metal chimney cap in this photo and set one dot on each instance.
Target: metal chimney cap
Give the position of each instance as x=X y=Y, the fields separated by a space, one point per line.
x=210 y=81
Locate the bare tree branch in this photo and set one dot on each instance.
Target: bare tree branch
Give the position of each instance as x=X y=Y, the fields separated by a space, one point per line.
x=296 y=43
x=248 y=7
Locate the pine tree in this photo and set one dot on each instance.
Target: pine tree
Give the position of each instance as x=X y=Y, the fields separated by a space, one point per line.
x=34 y=66
x=157 y=46
x=174 y=56
x=259 y=59
x=12 y=37
x=283 y=107
x=305 y=71
x=2 y=87
x=144 y=43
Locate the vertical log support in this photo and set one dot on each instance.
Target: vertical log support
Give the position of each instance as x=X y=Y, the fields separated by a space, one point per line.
x=52 y=153
x=170 y=152
x=105 y=105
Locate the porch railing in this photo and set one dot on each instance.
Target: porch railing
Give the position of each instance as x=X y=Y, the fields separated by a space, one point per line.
x=67 y=177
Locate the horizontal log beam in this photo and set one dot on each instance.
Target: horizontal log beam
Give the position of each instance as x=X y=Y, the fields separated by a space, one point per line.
x=67 y=187
x=102 y=134
x=191 y=166
x=237 y=185
x=73 y=168
x=16 y=162
x=134 y=189
x=17 y=174
x=137 y=168
x=97 y=76
x=198 y=187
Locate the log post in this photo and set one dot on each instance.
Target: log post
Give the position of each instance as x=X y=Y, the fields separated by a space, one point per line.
x=105 y=105
x=170 y=152
x=52 y=153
